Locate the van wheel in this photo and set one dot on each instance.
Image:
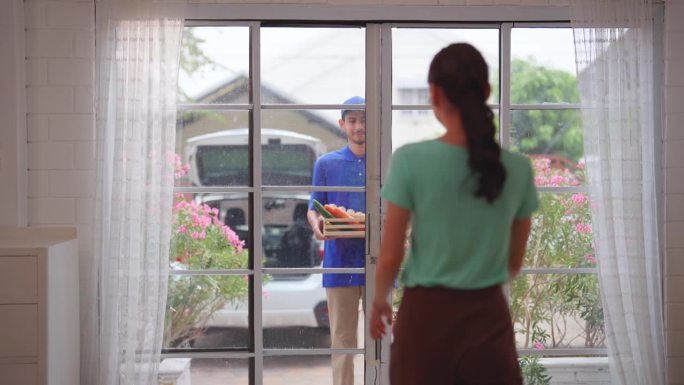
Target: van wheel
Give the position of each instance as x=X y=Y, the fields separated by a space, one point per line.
x=322 y=316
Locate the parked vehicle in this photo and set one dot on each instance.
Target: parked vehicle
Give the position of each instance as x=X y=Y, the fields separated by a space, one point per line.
x=222 y=158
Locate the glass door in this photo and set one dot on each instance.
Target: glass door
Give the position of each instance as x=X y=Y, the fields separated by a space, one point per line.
x=252 y=289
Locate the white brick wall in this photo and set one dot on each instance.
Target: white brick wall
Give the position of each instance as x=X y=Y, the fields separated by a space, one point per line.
x=60 y=53
x=36 y=71
x=38 y=186
x=49 y=99
x=71 y=183
x=70 y=15
x=69 y=71
x=48 y=43
x=50 y=156
x=52 y=211
x=60 y=120
x=71 y=127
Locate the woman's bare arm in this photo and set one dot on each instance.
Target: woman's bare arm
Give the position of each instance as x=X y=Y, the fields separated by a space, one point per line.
x=389 y=262
x=520 y=231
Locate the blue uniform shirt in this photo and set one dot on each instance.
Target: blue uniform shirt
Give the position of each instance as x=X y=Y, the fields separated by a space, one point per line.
x=342 y=168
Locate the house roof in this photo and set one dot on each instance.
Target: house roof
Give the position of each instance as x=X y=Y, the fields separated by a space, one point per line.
x=235 y=90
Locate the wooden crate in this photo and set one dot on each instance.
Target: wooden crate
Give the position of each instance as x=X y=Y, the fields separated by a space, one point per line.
x=344 y=227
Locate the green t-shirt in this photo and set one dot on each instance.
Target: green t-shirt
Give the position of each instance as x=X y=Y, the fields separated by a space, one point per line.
x=457 y=240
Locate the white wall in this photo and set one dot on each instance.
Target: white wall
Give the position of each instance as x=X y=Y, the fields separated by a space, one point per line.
x=60 y=119
x=59 y=126
x=13 y=115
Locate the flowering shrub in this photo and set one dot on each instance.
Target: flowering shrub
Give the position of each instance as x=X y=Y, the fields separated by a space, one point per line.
x=559 y=310
x=200 y=241
x=533 y=372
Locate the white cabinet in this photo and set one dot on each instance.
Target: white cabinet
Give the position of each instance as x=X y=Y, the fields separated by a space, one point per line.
x=39 y=306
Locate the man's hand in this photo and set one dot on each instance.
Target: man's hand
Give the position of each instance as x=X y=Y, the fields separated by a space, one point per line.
x=318 y=229
x=316 y=223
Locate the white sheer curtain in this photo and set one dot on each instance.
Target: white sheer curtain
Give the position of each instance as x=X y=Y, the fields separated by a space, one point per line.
x=614 y=50
x=125 y=295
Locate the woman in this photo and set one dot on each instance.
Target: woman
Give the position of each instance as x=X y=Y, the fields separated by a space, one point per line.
x=469 y=203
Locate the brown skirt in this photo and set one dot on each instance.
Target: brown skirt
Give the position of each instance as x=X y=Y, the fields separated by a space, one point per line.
x=448 y=336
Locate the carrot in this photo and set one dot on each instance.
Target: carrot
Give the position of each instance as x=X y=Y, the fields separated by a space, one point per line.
x=340 y=212
x=337 y=212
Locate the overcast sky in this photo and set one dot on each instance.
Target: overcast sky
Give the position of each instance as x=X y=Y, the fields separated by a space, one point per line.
x=326 y=65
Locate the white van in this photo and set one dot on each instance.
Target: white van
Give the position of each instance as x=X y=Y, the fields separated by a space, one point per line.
x=221 y=159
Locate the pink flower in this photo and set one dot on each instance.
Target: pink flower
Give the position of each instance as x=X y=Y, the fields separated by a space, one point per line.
x=578 y=199
x=538 y=345
x=182 y=229
x=202 y=234
x=582 y=228
x=194 y=235
x=558 y=180
x=230 y=235
x=201 y=221
x=180 y=168
x=540 y=181
x=542 y=164
x=590 y=258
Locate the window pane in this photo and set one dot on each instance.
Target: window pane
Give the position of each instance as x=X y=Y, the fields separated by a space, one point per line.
x=306 y=370
x=293 y=140
x=552 y=134
x=569 y=370
x=312 y=65
x=209 y=231
x=287 y=237
x=288 y=240
x=543 y=66
x=214 y=65
x=295 y=313
x=213 y=148
x=561 y=233
x=414 y=48
x=212 y=371
x=409 y=126
x=557 y=311
x=207 y=311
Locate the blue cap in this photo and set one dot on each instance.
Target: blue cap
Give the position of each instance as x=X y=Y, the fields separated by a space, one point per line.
x=353 y=100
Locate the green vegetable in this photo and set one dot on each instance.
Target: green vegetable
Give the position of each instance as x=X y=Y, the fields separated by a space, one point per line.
x=321 y=210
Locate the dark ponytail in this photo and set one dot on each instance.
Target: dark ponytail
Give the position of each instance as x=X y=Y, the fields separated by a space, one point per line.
x=461 y=72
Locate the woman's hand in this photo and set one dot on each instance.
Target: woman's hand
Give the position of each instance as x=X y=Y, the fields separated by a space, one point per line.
x=381 y=315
